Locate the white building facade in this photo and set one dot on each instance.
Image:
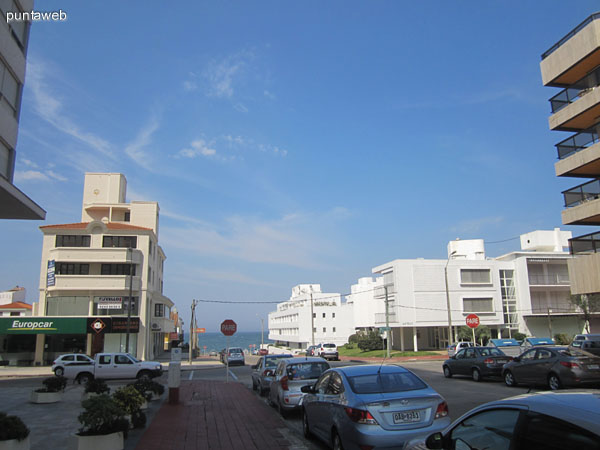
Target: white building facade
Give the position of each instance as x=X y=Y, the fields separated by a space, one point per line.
x=311 y=317
x=101 y=279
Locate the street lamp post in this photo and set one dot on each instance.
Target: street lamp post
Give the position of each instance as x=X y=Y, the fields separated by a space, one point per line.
x=450 y=337
x=262 y=331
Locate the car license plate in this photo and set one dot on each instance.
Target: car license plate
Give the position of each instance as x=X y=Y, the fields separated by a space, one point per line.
x=594 y=367
x=501 y=361
x=407 y=417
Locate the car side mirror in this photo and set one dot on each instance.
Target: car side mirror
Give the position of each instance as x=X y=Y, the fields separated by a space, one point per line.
x=435 y=441
x=310 y=389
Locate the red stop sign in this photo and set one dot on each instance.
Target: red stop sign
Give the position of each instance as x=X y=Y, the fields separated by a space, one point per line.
x=228 y=327
x=472 y=320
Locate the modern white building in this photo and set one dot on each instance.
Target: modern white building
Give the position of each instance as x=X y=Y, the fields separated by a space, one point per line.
x=14 y=37
x=101 y=279
x=311 y=317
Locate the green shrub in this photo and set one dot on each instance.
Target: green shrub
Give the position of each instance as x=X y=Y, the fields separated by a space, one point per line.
x=519 y=336
x=148 y=387
x=128 y=399
x=354 y=338
x=53 y=384
x=97 y=386
x=102 y=415
x=12 y=427
x=562 y=339
x=370 y=341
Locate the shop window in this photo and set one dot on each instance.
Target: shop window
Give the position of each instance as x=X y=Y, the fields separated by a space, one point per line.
x=67 y=306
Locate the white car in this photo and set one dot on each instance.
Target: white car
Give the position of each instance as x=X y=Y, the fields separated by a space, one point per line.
x=458 y=346
x=69 y=359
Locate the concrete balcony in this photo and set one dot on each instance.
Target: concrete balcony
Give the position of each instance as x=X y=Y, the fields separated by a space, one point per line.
x=581 y=114
x=583 y=271
x=97 y=255
x=574 y=55
x=95 y=282
x=583 y=163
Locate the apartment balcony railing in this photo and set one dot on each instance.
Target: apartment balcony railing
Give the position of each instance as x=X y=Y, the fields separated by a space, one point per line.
x=589 y=243
x=563 y=308
x=571 y=33
x=575 y=91
x=582 y=193
x=578 y=142
x=380 y=318
x=549 y=280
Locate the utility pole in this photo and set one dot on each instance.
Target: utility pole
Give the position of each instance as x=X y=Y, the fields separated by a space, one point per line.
x=387 y=323
x=262 y=332
x=192 y=322
x=130 y=253
x=450 y=337
x=312 y=319
x=549 y=323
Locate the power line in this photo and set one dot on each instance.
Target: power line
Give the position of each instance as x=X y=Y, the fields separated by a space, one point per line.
x=504 y=240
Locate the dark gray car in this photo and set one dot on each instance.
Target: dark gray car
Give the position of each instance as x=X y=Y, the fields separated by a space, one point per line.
x=555 y=367
x=476 y=362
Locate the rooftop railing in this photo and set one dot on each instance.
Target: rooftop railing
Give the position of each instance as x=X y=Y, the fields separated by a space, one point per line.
x=572 y=33
x=578 y=142
x=575 y=91
x=582 y=193
x=589 y=243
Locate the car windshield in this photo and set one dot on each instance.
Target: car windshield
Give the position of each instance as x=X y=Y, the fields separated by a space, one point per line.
x=385 y=383
x=134 y=359
x=329 y=345
x=306 y=371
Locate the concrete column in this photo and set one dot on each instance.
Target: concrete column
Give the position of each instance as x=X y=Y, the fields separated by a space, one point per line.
x=38 y=359
x=415 y=345
x=401 y=338
x=174 y=381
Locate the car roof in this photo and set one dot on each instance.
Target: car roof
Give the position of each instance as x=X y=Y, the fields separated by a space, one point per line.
x=368 y=369
x=580 y=407
x=281 y=355
x=303 y=359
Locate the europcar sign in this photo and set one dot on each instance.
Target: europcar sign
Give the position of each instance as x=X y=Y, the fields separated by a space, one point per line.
x=42 y=325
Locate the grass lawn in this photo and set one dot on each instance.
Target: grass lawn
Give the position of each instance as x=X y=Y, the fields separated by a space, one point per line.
x=379 y=353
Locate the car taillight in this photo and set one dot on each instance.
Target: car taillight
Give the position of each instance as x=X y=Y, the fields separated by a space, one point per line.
x=488 y=361
x=284 y=384
x=570 y=365
x=360 y=416
x=442 y=410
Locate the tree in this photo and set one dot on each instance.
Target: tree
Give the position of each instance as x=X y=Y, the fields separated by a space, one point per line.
x=588 y=304
x=482 y=334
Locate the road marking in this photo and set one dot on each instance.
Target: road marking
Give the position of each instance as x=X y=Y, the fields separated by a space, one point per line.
x=233 y=375
x=191 y=375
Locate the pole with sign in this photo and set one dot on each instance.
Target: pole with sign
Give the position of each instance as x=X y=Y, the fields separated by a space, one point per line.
x=228 y=328
x=472 y=322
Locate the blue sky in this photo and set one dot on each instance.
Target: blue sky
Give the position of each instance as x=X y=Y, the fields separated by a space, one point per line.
x=292 y=142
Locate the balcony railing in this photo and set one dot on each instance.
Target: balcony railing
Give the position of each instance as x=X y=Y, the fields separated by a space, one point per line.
x=571 y=33
x=575 y=91
x=549 y=280
x=380 y=318
x=578 y=142
x=589 y=243
x=582 y=193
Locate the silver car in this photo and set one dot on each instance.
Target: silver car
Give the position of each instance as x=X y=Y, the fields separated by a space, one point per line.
x=235 y=356
x=291 y=375
x=544 y=420
x=263 y=371
x=372 y=406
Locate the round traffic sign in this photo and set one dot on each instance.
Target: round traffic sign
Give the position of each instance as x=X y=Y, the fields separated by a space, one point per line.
x=228 y=327
x=472 y=320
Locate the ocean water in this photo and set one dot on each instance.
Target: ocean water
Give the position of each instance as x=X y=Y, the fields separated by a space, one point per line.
x=217 y=341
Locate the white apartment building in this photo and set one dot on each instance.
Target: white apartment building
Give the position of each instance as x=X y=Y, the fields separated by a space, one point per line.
x=92 y=271
x=311 y=317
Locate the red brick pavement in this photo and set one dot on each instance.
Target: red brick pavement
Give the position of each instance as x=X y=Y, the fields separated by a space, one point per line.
x=214 y=415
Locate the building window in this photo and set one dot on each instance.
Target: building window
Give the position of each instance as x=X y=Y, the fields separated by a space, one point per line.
x=150 y=247
x=314 y=329
x=509 y=298
x=122 y=311
x=324 y=330
x=324 y=315
x=67 y=306
x=79 y=240
x=72 y=269
x=127 y=217
x=9 y=87
x=333 y=315
x=474 y=305
x=314 y=315
x=18 y=28
x=475 y=276
x=119 y=241
x=116 y=269
x=334 y=329
x=5 y=161
x=15 y=313
x=159 y=310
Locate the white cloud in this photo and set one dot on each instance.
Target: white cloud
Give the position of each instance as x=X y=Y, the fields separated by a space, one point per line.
x=190 y=86
x=29 y=175
x=269 y=95
x=241 y=108
x=135 y=150
x=222 y=75
x=199 y=147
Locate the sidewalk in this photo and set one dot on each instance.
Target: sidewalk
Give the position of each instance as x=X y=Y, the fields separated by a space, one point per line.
x=215 y=415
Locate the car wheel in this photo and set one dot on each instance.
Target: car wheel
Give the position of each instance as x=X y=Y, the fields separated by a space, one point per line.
x=305 y=427
x=509 y=379
x=476 y=374
x=254 y=386
x=336 y=441
x=59 y=371
x=261 y=390
x=447 y=372
x=281 y=410
x=84 y=378
x=144 y=375
x=554 y=382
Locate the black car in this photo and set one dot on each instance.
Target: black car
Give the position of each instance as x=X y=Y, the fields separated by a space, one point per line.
x=476 y=362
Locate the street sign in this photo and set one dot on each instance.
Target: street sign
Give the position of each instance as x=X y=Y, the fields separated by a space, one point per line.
x=200 y=330
x=228 y=327
x=385 y=328
x=472 y=320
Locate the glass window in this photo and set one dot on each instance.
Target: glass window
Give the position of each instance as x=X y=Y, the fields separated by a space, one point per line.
x=104 y=359
x=324 y=314
x=72 y=240
x=117 y=342
x=67 y=306
x=541 y=432
x=127 y=217
x=385 y=383
x=72 y=269
x=321 y=385
x=159 y=310
x=489 y=429
x=544 y=354
x=119 y=241
x=528 y=356
x=336 y=386
x=5 y=160
x=122 y=359
x=470 y=353
x=10 y=89
x=475 y=276
x=68 y=358
x=461 y=354
x=478 y=304
x=117 y=269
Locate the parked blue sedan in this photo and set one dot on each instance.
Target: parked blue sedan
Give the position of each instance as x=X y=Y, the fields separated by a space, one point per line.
x=371 y=406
